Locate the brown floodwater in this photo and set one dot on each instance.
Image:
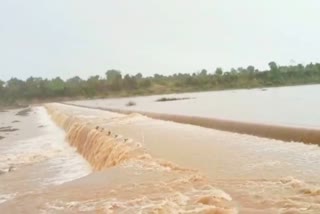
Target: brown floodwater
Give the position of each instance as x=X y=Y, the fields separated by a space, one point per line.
x=34 y=154
x=287 y=106
x=143 y=165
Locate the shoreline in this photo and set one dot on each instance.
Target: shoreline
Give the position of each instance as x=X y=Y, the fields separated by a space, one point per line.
x=134 y=95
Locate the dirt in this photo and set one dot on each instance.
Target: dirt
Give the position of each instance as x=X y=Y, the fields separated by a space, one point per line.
x=1 y=137
x=16 y=121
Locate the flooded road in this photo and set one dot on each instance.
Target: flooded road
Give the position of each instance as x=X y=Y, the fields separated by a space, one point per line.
x=142 y=165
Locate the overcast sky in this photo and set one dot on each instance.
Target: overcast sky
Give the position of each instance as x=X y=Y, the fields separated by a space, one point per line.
x=86 y=37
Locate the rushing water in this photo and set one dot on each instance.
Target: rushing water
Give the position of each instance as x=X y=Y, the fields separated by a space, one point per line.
x=153 y=166
x=293 y=106
x=143 y=165
x=34 y=154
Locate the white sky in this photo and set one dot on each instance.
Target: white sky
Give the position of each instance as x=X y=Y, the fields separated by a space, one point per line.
x=50 y=38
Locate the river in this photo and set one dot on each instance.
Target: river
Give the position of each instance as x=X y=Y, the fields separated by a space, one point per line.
x=96 y=161
x=292 y=106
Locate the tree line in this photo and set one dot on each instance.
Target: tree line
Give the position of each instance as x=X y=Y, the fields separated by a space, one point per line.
x=35 y=89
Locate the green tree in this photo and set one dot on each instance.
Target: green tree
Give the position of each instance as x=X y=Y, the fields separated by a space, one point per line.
x=15 y=91
x=56 y=87
x=93 y=84
x=203 y=72
x=138 y=76
x=114 y=79
x=273 y=66
x=274 y=74
x=219 y=72
x=129 y=83
x=74 y=81
x=2 y=92
x=250 y=69
x=145 y=83
x=1 y=85
x=33 y=87
x=74 y=86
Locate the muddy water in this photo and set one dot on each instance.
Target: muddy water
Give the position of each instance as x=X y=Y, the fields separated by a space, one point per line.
x=34 y=155
x=142 y=165
x=288 y=106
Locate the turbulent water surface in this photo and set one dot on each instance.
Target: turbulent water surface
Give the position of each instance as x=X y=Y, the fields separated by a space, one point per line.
x=104 y=162
x=34 y=155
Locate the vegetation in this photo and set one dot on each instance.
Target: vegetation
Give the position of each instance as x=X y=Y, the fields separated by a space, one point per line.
x=17 y=92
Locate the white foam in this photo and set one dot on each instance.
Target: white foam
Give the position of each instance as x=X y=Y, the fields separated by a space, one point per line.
x=49 y=148
x=69 y=165
x=67 y=168
x=6 y=197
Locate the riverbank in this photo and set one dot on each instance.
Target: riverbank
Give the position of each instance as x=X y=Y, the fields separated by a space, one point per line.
x=154 y=91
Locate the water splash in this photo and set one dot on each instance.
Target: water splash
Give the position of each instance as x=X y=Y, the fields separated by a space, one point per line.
x=187 y=191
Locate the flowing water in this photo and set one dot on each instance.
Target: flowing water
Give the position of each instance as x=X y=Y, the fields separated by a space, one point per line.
x=34 y=154
x=135 y=164
x=292 y=106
